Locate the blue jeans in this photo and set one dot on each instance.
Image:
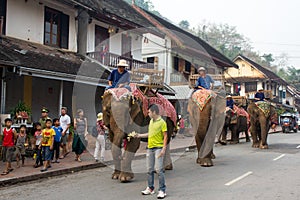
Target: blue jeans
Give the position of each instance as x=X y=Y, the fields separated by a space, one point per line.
x=158 y=163
x=125 y=86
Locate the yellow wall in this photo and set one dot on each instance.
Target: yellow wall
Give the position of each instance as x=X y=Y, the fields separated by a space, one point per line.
x=245 y=70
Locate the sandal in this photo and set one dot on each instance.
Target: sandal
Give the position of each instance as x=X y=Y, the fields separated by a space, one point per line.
x=44 y=169
x=79 y=160
x=5 y=173
x=10 y=170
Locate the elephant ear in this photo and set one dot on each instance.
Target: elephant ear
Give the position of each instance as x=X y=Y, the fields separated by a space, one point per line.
x=106 y=108
x=134 y=107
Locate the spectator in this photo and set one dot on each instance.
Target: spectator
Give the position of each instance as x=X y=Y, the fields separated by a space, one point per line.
x=20 y=145
x=65 y=123
x=44 y=117
x=181 y=125
x=100 y=140
x=119 y=77
x=57 y=138
x=47 y=144
x=259 y=96
x=204 y=80
x=38 y=140
x=8 y=142
x=157 y=144
x=229 y=102
x=80 y=131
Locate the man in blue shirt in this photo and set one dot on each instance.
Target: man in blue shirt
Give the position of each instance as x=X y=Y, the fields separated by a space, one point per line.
x=259 y=96
x=229 y=102
x=204 y=80
x=119 y=77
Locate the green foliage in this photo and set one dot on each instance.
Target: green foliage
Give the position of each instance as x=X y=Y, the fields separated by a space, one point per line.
x=184 y=24
x=21 y=106
x=291 y=75
x=146 y=5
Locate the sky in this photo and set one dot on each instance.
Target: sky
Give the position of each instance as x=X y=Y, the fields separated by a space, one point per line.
x=273 y=26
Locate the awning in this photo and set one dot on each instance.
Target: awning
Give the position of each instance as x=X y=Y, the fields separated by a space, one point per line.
x=182 y=92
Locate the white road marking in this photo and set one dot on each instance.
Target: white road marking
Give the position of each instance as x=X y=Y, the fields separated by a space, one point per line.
x=298 y=147
x=239 y=178
x=282 y=155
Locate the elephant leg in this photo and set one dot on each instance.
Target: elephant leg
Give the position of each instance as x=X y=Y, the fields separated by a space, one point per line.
x=234 y=134
x=247 y=136
x=116 y=153
x=167 y=159
x=198 y=144
x=264 y=134
x=254 y=132
x=223 y=136
x=207 y=160
x=126 y=170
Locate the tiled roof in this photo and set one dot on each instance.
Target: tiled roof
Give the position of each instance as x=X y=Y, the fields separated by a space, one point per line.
x=15 y=52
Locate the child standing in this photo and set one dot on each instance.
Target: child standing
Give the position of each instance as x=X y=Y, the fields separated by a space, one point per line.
x=57 y=138
x=100 y=140
x=47 y=144
x=38 y=140
x=157 y=144
x=8 y=142
x=20 y=145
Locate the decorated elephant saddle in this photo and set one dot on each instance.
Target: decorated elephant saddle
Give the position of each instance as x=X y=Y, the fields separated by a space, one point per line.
x=202 y=97
x=241 y=112
x=264 y=107
x=119 y=94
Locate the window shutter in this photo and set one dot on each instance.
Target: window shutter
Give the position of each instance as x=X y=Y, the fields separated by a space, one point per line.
x=64 y=39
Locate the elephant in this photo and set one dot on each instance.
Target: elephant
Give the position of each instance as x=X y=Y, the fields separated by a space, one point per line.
x=206 y=122
x=261 y=114
x=123 y=117
x=236 y=124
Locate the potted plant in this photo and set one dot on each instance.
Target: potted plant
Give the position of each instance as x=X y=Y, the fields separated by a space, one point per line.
x=21 y=113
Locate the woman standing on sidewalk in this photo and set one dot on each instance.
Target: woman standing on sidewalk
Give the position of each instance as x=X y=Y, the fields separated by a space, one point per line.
x=100 y=140
x=80 y=131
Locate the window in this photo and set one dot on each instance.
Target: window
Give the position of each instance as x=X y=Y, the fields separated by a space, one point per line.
x=176 y=63
x=56 y=32
x=187 y=66
x=3 y=5
x=250 y=87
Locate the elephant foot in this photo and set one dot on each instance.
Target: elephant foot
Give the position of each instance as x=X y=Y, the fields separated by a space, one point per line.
x=234 y=142
x=264 y=146
x=116 y=175
x=169 y=167
x=212 y=156
x=205 y=162
x=125 y=177
x=255 y=145
x=223 y=142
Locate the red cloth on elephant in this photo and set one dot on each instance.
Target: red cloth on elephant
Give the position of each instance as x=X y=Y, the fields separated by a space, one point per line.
x=165 y=107
x=241 y=112
x=201 y=97
x=119 y=93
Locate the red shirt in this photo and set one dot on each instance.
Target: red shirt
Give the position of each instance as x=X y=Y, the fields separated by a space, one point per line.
x=8 y=137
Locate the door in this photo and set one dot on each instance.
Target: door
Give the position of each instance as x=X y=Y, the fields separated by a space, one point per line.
x=126 y=45
x=102 y=44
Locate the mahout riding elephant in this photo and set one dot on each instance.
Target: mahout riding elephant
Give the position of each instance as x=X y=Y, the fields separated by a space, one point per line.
x=207 y=115
x=123 y=116
x=261 y=114
x=236 y=124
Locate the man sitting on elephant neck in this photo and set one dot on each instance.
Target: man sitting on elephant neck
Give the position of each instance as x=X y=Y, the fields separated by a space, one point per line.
x=229 y=102
x=204 y=81
x=259 y=96
x=119 y=77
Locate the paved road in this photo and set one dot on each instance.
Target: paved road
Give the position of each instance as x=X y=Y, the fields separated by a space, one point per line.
x=240 y=172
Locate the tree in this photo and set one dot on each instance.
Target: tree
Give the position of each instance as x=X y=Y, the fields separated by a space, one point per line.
x=146 y=5
x=184 y=24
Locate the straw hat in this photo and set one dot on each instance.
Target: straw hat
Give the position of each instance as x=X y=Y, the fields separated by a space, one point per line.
x=99 y=116
x=228 y=96
x=122 y=63
x=44 y=110
x=201 y=69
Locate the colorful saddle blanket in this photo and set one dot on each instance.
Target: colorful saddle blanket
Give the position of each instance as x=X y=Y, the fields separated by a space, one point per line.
x=119 y=94
x=264 y=107
x=202 y=97
x=165 y=107
x=241 y=112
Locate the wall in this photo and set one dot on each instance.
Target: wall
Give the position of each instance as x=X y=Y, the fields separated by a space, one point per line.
x=245 y=70
x=14 y=91
x=25 y=20
x=136 y=46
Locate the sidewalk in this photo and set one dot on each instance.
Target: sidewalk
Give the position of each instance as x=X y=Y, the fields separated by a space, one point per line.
x=69 y=165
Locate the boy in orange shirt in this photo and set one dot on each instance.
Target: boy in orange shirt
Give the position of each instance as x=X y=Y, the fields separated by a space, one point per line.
x=47 y=144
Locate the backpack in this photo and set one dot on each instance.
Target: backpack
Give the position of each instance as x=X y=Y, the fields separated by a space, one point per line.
x=95 y=132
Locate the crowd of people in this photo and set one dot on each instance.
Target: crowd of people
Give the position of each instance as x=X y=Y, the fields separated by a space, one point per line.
x=52 y=140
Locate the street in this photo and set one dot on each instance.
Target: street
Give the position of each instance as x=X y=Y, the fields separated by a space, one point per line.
x=240 y=172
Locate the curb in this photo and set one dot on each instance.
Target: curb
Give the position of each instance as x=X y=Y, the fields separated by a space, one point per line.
x=29 y=178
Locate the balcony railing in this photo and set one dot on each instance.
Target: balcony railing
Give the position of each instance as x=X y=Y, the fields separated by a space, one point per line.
x=218 y=78
x=111 y=60
x=268 y=94
x=178 y=78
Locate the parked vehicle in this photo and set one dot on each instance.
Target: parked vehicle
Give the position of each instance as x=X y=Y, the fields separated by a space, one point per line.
x=289 y=122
